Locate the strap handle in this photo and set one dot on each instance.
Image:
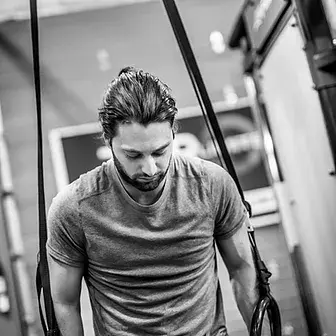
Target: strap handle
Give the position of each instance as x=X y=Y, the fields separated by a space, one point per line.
x=42 y=272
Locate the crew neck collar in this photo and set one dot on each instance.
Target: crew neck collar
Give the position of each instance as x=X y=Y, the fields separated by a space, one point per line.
x=138 y=206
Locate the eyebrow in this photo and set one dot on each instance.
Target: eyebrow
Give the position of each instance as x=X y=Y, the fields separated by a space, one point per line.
x=130 y=150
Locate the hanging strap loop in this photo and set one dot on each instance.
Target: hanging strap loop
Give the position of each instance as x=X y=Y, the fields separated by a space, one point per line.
x=42 y=272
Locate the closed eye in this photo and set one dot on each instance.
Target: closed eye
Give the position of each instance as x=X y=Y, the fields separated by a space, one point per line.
x=159 y=153
x=133 y=156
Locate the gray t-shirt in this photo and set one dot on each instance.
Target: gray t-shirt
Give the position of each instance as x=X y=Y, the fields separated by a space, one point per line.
x=150 y=269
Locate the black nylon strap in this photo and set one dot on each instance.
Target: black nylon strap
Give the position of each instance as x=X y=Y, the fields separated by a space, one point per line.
x=266 y=301
x=42 y=272
x=201 y=92
x=39 y=292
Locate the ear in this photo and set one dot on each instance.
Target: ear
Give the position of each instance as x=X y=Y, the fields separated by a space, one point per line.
x=108 y=142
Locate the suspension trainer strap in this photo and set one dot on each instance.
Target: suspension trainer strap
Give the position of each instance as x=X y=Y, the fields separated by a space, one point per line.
x=200 y=90
x=42 y=273
x=266 y=301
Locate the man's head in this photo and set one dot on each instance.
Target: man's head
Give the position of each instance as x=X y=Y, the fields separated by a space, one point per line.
x=142 y=154
x=138 y=121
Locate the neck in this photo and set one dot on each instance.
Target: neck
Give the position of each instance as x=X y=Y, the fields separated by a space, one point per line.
x=142 y=197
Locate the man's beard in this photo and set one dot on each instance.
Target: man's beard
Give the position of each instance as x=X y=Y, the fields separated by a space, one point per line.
x=134 y=182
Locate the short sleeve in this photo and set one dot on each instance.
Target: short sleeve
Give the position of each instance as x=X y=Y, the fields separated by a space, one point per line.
x=230 y=212
x=66 y=240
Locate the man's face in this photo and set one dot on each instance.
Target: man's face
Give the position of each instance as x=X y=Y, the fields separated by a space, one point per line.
x=142 y=153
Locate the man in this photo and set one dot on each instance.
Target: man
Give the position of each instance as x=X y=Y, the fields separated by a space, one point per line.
x=141 y=228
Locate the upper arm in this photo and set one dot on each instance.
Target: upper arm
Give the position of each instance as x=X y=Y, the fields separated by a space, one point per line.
x=65 y=248
x=228 y=209
x=236 y=250
x=66 y=238
x=65 y=282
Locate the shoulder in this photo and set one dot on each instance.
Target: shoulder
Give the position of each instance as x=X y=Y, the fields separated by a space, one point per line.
x=194 y=166
x=89 y=184
x=185 y=166
x=94 y=182
x=211 y=176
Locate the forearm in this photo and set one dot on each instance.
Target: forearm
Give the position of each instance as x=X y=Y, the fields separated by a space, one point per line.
x=69 y=319
x=244 y=285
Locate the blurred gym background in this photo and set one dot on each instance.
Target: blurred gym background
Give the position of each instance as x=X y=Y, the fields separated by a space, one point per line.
x=83 y=45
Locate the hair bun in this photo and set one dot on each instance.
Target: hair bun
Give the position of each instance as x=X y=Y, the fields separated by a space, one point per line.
x=126 y=70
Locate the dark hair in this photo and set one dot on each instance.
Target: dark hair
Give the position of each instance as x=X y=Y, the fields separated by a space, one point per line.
x=136 y=96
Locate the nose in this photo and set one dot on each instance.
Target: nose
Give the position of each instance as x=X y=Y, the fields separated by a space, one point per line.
x=149 y=166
